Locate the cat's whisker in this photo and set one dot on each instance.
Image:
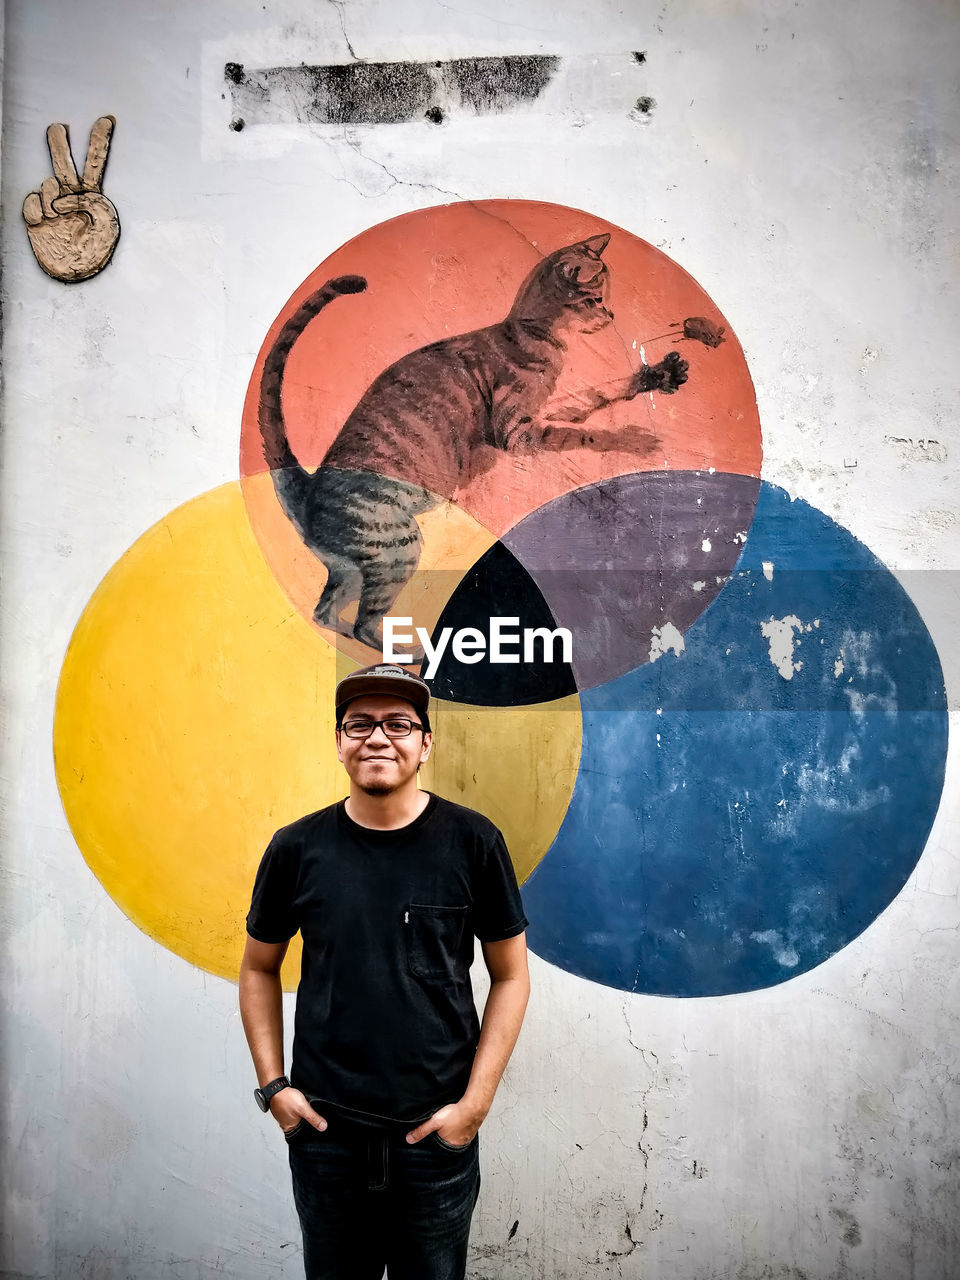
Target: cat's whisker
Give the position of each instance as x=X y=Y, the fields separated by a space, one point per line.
x=675 y=335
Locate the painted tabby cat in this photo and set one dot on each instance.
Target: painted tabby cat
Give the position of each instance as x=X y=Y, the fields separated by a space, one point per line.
x=427 y=425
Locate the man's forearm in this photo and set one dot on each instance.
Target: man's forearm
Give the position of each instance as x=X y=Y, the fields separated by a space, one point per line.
x=261 y=1009
x=502 y=1018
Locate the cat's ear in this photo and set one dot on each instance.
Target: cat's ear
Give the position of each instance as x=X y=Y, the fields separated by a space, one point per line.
x=588 y=272
x=596 y=244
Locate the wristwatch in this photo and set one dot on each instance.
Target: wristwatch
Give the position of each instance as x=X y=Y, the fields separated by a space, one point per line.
x=264 y=1095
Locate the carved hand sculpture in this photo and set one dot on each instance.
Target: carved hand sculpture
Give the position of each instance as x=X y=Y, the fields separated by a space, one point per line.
x=73 y=227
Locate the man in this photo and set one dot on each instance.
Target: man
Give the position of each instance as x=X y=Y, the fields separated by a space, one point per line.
x=392 y=1074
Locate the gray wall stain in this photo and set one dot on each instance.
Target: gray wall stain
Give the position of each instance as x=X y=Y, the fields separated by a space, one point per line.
x=496 y=84
x=851 y=1227
x=387 y=92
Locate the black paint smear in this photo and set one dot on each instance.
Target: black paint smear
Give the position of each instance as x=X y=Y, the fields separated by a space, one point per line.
x=387 y=92
x=493 y=84
x=370 y=93
x=237 y=125
x=645 y=105
x=513 y=1229
x=499 y=586
x=640 y=56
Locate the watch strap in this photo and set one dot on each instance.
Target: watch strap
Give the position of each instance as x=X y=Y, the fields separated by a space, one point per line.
x=264 y=1095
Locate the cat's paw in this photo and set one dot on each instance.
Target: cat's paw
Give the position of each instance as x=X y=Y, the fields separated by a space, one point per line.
x=667 y=376
x=672 y=372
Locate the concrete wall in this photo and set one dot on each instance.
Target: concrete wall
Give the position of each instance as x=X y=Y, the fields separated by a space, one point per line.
x=800 y=162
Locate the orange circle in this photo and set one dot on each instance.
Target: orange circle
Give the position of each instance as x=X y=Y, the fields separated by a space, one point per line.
x=449 y=270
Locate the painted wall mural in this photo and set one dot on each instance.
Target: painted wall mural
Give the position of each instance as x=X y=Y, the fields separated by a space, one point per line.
x=514 y=409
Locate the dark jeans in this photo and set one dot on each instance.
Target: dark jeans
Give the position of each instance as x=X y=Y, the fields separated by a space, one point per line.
x=369 y=1200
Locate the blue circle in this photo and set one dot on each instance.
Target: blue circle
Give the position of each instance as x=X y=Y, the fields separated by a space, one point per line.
x=746 y=806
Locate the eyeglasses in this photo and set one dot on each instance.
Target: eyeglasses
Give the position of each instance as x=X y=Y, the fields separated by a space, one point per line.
x=393 y=727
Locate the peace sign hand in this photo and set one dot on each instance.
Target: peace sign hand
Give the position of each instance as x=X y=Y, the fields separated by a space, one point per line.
x=73 y=227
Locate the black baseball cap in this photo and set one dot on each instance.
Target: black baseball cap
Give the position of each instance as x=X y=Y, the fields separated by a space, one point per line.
x=383 y=678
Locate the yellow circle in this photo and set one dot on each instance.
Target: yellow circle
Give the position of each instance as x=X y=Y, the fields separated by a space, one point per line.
x=518 y=765
x=195 y=716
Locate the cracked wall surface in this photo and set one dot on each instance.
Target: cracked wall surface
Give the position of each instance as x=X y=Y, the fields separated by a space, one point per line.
x=800 y=162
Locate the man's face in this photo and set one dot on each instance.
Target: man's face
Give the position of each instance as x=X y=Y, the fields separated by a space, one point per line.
x=377 y=764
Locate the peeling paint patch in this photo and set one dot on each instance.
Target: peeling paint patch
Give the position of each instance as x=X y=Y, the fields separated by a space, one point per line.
x=387 y=92
x=869 y=356
x=861 y=703
x=917 y=450
x=666 y=639
x=835 y=789
x=851 y=1228
x=779 y=635
x=783 y=954
x=858 y=645
x=768 y=570
x=859 y=651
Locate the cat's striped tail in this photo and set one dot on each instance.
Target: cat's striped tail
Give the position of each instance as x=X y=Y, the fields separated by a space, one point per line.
x=289 y=477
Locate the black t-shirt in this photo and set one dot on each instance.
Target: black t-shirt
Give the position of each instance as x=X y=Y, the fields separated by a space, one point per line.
x=386 y=1026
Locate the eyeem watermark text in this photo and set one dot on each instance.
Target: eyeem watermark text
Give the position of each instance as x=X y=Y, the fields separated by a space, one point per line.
x=506 y=643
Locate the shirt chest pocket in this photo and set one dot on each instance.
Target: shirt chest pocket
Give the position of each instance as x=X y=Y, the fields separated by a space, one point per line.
x=434 y=940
